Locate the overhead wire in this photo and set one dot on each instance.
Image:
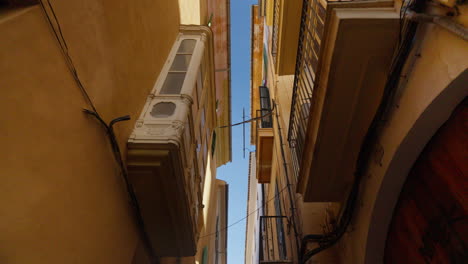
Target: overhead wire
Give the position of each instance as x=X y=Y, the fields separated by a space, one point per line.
x=64 y=50
x=269 y=113
x=292 y=202
x=248 y=215
x=58 y=34
x=327 y=240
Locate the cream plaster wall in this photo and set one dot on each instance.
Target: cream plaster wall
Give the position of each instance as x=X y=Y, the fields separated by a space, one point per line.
x=443 y=56
x=192 y=12
x=284 y=88
x=252 y=220
x=207 y=237
x=62 y=198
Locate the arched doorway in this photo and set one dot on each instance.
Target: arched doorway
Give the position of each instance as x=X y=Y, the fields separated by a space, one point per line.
x=430 y=221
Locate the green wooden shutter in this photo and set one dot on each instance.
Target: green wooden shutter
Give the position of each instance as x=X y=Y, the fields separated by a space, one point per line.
x=205 y=255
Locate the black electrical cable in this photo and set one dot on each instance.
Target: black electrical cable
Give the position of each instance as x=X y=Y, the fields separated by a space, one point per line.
x=270 y=112
x=64 y=49
x=109 y=128
x=327 y=240
x=58 y=34
x=118 y=157
x=288 y=183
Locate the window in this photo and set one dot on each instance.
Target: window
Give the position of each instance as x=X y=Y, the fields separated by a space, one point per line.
x=176 y=76
x=187 y=46
x=265 y=107
x=213 y=144
x=279 y=225
x=205 y=255
x=173 y=83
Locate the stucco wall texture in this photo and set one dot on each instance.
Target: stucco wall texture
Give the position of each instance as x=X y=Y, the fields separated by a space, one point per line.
x=443 y=57
x=62 y=198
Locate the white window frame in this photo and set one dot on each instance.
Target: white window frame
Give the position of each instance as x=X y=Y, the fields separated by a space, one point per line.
x=192 y=70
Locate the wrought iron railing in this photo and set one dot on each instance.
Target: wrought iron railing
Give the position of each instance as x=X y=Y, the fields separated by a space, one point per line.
x=274 y=34
x=265 y=108
x=265 y=119
x=308 y=52
x=273 y=248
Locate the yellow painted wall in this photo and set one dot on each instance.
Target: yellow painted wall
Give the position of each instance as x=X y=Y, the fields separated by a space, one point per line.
x=61 y=198
x=256 y=66
x=289 y=22
x=270 y=5
x=444 y=57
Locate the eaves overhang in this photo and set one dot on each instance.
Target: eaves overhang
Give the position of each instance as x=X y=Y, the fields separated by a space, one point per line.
x=355 y=61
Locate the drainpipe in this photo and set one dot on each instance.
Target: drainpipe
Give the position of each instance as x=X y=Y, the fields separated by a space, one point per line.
x=442 y=21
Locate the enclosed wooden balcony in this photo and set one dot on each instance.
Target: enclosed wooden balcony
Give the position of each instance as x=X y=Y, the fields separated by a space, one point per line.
x=264 y=141
x=166 y=157
x=264 y=154
x=161 y=162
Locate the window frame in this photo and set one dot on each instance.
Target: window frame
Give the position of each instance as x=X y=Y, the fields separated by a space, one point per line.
x=192 y=69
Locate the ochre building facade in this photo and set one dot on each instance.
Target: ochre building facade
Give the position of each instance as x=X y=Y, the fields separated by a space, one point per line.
x=362 y=111
x=66 y=197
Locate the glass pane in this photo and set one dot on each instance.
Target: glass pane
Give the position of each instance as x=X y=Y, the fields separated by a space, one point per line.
x=187 y=46
x=180 y=63
x=213 y=143
x=173 y=83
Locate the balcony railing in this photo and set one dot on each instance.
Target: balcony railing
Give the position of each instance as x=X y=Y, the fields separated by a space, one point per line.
x=265 y=108
x=308 y=54
x=273 y=248
x=274 y=34
x=344 y=50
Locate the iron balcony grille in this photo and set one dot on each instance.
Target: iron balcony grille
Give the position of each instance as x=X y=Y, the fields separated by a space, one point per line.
x=272 y=239
x=308 y=52
x=265 y=108
x=274 y=34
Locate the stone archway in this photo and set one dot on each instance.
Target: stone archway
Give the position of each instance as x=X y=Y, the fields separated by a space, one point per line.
x=401 y=162
x=430 y=221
